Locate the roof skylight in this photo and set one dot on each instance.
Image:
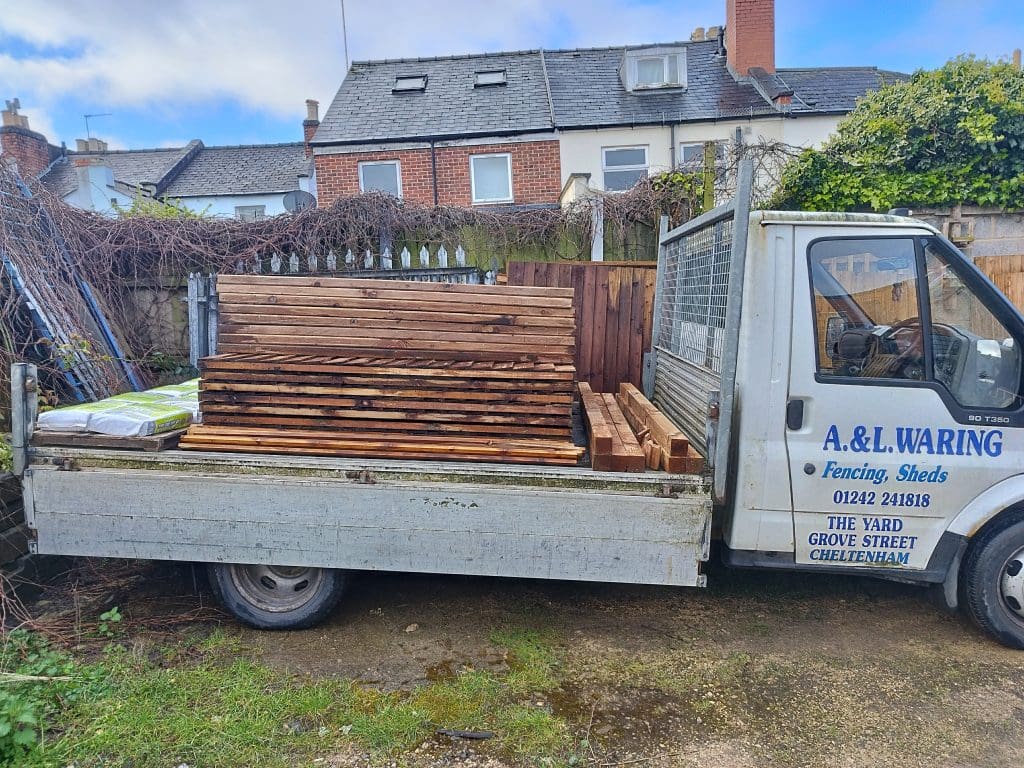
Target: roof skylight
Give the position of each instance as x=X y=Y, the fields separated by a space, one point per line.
x=490 y=77
x=405 y=83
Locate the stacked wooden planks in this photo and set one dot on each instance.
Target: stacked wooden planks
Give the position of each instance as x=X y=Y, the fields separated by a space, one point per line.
x=664 y=445
x=357 y=444
x=363 y=368
x=418 y=395
x=613 y=447
x=443 y=321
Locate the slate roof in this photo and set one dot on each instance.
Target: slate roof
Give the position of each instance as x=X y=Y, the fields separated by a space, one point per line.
x=194 y=170
x=131 y=167
x=835 y=89
x=568 y=89
x=365 y=108
x=242 y=170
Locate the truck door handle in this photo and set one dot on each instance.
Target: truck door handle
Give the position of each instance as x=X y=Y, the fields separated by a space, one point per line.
x=795 y=415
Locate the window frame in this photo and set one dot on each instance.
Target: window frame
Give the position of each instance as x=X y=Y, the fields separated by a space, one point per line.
x=633 y=59
x=983 y=289
x=398 y=174
x=646 y=167
x=472 y=179
x=477 y=83
x=720 y=157
x=403 y=84
x=259 y=212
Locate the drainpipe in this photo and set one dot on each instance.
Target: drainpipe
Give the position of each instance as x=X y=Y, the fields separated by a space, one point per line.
x=433 y=167
x=672 y=146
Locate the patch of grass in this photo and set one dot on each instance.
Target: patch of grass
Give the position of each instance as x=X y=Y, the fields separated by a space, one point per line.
x=532 y=732
x=532 y=659
x=210 y=704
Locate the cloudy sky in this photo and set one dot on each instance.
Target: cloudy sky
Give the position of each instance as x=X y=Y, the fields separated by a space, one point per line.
x=238 y=71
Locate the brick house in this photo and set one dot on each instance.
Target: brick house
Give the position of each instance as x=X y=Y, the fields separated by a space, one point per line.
x=456 y=130
x=525 y=127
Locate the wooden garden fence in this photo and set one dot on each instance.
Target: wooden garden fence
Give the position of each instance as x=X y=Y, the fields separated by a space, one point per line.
x=614 y=304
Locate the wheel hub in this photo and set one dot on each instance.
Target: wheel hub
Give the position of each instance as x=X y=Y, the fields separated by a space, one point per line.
x=276 y=588
x=1011 y=585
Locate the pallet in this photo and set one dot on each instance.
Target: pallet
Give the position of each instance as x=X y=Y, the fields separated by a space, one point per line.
x=162 y=442
x=664 y=445
x=390 y=445
x=613 y=447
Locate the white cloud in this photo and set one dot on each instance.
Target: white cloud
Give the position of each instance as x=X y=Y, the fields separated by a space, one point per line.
x=172 y=57
x=271 y=55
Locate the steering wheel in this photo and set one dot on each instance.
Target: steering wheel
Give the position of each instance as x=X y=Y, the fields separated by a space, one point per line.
x=912 y=352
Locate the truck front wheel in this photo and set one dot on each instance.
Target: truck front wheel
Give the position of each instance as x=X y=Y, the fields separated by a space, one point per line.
x=994 y=580
x=277 y=597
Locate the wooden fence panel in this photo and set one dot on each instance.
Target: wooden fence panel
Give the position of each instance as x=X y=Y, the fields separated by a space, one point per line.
x=614 y=305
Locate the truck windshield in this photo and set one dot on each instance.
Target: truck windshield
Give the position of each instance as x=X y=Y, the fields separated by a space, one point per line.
x=867 y=302
x=974 y=355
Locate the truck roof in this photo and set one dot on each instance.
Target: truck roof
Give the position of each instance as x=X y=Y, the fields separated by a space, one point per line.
x=830 y=217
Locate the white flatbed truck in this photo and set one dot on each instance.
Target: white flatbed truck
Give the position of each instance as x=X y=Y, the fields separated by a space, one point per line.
x=854 y=381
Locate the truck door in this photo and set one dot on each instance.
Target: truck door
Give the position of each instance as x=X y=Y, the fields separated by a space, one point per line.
x=904 y=397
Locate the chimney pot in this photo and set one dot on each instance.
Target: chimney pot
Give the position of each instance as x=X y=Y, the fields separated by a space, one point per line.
x=712 y=33
x=313 y=110
x=81 y=145
x=697 y=35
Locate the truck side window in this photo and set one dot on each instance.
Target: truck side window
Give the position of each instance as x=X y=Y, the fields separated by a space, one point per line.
x=867 y=315
x=974 y=355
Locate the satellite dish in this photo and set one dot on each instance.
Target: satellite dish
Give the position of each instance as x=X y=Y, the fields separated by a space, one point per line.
x=298 y=200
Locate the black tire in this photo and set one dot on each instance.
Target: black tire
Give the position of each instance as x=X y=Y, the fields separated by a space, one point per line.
x=272 y=597
x=993 y=580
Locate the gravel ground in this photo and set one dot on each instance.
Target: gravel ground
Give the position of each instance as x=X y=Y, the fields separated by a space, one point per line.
x=760 y=669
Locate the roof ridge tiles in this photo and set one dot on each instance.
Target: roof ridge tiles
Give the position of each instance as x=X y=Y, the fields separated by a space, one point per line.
x=528 y=52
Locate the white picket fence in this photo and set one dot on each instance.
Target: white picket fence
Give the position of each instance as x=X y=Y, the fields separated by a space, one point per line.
x=436 y=267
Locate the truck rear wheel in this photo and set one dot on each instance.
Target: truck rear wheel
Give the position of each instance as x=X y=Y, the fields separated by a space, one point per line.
x=277 y=597
x=994 y=581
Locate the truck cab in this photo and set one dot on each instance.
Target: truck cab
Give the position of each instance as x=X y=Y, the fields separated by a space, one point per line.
x=878 y=412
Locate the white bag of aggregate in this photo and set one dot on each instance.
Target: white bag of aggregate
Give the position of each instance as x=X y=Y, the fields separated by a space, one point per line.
x=132 y=414
x=139 y=419
x=74 y=418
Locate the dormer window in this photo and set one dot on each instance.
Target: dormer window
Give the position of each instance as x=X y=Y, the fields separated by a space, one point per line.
x=410 y=83
x=654 y=68
x=490 y=77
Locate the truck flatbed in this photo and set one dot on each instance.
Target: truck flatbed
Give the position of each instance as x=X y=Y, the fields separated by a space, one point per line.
x=364 y=514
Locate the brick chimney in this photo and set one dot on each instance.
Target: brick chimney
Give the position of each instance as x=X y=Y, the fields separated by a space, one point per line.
x=310 y=124
x=27 y=150
x=750 y=36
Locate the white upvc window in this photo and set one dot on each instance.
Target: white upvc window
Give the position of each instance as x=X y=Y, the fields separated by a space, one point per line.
x=691 y=155
x=655 y=68
x=381 y=176
x=491 y=177
x=623 y=167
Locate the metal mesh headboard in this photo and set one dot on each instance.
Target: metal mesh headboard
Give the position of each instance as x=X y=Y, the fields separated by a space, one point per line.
x=690 y=325
x=696 y=317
